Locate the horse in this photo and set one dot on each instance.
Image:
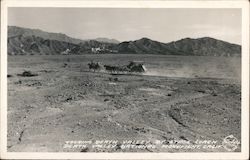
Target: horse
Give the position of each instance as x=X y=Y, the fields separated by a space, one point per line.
x=116 y=69
x=94 y=66
x=110 y=68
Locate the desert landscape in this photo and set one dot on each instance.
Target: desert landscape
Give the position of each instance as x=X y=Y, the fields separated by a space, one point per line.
x=179 y=99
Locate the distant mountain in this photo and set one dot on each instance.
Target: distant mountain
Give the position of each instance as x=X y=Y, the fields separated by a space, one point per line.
x=14 y=31
x=143 y=46
x=32 y=45
x=204 y=47
x=107 y=40
x=201 y=47
x=26 y=45
x=23 y=41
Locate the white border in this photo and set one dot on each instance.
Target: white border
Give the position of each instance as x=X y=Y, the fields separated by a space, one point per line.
x=244 y=5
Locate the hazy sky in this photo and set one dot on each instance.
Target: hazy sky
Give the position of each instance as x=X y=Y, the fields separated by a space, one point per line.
x=163 y=25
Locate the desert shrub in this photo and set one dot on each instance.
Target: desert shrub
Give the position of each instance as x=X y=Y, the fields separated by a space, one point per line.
x=27 y=74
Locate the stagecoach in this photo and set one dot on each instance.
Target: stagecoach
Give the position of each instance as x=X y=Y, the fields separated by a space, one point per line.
x=132 y=67
x=136 y=66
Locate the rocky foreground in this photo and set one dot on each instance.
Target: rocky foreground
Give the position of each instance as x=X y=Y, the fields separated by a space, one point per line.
x=68 y=103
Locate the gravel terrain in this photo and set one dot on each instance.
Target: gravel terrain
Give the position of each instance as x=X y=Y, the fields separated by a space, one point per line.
x=178 y=98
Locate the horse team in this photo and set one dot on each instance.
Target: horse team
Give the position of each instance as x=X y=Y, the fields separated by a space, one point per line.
x=131 y=67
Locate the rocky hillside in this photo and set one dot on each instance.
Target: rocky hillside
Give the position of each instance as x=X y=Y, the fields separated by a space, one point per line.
x=23 y=41
x=143 y=46
x=14 y=31
x=29 y=45
x=107 y=40
x=202 y=47
x=32 y=45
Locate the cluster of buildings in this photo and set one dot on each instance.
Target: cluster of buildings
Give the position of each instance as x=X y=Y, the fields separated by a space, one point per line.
x=102 y=50
x=97 y=50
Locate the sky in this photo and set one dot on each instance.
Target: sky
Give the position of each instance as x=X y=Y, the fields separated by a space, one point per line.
x=125 y=24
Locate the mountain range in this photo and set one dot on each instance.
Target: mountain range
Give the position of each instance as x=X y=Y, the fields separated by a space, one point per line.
x=24 y=41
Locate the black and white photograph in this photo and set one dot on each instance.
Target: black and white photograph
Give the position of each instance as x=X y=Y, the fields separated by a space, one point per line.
x=125 y=79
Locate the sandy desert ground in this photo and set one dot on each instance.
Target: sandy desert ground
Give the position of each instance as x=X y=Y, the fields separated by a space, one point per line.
x=178 y=98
